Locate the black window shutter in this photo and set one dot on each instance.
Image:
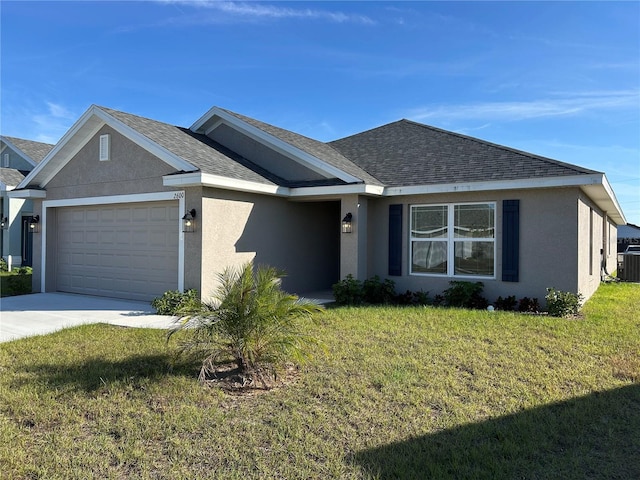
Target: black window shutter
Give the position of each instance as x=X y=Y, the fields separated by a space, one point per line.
x=395 y=240
x=510 y=240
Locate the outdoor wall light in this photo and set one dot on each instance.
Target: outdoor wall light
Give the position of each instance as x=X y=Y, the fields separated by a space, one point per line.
x=346 y=223
x=4 y=223
x=188 y=221
x=34 y=224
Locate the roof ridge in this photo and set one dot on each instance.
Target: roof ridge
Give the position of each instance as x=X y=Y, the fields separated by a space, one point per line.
x=108 y=110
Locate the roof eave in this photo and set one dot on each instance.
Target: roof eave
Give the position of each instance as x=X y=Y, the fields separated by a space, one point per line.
x=595 y=185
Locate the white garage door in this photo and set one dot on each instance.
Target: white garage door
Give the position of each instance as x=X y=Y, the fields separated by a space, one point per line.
x=121 y=250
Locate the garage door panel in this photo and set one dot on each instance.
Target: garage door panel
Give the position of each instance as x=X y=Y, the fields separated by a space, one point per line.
x=124 y=251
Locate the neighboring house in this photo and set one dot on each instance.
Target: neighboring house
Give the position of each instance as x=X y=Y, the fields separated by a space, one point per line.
x=17 y=158
x=628 y=234
x=426 y=206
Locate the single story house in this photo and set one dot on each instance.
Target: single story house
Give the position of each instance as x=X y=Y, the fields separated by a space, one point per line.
x=131 y=207
x=17 y=158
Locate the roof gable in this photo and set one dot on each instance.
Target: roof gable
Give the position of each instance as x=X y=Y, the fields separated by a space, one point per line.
x=78 y=136
x=301 y=153
x=32 y=152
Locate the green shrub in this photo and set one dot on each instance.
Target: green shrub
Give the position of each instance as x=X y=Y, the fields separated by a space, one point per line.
x=465 y=295
x=17 y=282
x=507 y=304
x=174 y=302
x=377 y=292
x=3 y=265
x=528 y=305
x=348 y=291
x=563 y=304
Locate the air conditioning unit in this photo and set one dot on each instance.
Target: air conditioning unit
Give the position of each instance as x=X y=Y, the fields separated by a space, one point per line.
x=631 y=267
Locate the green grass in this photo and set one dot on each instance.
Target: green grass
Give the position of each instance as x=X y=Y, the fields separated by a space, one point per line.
x=401 y=393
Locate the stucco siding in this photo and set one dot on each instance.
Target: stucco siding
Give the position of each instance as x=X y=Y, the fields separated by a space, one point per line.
x=15 y=160
x=266 y=157
x=590 y=244
x=548 y=242
x=131 y=169
x=300 y=238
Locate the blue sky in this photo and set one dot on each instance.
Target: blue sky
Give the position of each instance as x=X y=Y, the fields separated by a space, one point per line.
x=559 y=79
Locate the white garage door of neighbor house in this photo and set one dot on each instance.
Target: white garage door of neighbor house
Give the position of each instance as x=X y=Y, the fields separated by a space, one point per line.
x=120 y=250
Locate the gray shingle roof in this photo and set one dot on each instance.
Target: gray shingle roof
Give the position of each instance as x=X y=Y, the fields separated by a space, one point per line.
x=407 y=153
x=34 y=150
x=402 y=153
x=320 y=150
x=199 y=150
x=11 y=177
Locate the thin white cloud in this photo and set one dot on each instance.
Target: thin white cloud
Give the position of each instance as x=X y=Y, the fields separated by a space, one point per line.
x=253 y=11
x=577 y=103
x=50 y=125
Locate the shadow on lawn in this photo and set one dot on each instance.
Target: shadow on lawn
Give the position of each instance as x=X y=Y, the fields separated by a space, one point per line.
x=95 y=373
x=594 y=437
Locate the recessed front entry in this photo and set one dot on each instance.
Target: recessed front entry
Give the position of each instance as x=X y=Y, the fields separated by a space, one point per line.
x=127 y=250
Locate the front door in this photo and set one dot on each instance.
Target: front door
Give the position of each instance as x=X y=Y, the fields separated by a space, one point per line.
x=27 y=242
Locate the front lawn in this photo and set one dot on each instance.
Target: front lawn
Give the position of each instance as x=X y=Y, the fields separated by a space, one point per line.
x=414 y=392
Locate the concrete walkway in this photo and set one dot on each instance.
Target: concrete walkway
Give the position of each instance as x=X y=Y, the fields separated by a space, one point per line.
x=42 y=313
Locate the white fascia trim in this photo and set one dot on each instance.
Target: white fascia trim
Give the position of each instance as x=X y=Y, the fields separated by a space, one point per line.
x=27 y=193
x=547 y=182
x=132 y=198
x=607 y=187
x=144 y=142
x=106 y=200
x=359 y=188
x=63 y=141
x=217 y=181
x=300 y=156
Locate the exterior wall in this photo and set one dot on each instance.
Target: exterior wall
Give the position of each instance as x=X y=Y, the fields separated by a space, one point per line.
x=548 y=242
x=354 y=245
x=14 y=209
x=301 y=238
x=590 y=245
x=261 y=155
x=15 y=160
x=130 y=170
x=611 y=236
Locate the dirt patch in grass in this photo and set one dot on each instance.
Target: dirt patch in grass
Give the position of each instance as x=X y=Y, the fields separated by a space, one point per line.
x=229 y=378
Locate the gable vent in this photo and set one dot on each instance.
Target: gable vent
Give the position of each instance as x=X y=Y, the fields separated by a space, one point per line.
x=104 y=147
x=5 y=160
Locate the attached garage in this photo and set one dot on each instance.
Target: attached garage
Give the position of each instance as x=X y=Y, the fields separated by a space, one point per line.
x=123 y=250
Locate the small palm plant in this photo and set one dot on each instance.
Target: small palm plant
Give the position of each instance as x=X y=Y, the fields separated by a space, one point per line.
x=252 y=322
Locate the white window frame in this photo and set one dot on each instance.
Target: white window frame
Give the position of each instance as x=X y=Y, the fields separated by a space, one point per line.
x=451 y=239
x=105 y=147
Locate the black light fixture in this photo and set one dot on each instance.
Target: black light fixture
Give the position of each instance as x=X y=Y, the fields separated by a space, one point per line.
x=4 y=223
x=188 y=221
x=346 y=223
x=34 y=224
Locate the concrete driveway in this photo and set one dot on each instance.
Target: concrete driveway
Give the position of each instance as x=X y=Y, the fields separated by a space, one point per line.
x=42 y=313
